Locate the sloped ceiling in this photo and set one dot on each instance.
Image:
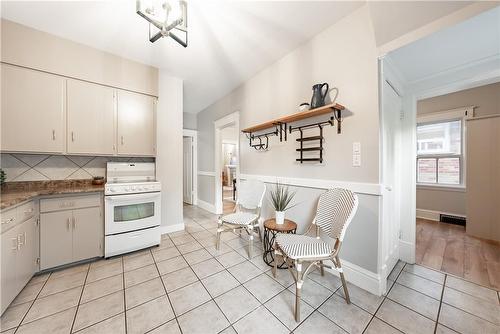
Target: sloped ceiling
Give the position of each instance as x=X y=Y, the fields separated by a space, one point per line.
x=392 y=19
x=229 y=41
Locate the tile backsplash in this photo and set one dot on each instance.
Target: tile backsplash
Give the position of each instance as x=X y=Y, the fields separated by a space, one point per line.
x=40 y=167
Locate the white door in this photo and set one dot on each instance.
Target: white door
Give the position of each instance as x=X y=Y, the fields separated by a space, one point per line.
x=56 y=239
x=9 y=282
x=90 y=118
x=26 y=260
x=87 y=233
x=136 y=124
x=391 y=135
x=32 y=111
x=188 y=169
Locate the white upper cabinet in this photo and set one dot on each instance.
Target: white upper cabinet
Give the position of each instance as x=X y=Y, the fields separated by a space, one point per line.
x=90 y=118
x=136 y=131
x=32 y=111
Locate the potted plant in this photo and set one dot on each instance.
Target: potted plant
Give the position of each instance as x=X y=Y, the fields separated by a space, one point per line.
x=280 y=199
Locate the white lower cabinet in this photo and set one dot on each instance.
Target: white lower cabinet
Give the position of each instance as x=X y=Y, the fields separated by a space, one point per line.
x=19 y=259
x=71 y=229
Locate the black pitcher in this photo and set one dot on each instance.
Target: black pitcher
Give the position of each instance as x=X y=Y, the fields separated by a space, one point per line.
x=319 y=94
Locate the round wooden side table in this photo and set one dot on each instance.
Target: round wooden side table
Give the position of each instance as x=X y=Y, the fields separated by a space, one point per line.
x=271 y=229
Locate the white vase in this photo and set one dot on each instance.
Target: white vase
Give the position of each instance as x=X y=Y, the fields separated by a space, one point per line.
x=280 y=217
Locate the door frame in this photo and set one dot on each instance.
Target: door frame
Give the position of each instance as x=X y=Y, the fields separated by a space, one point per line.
x=232 y=119
x=194 y=181
x=448 y=84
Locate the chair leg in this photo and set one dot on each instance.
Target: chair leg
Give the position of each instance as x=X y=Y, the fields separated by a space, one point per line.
x=250 y=243
x=298 y=289
x=217 y=242
x=275 y=264
x=342 y=278
x=321 y=269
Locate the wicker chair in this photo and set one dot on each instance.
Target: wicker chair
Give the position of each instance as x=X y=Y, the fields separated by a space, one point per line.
x=321 y=242
x=246 y=213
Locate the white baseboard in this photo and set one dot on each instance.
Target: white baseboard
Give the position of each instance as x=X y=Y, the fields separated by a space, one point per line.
x=360 y=188
x=434 y=215
x=206 y=206
x=361 y=277
x=171 y=228
x=406 y=251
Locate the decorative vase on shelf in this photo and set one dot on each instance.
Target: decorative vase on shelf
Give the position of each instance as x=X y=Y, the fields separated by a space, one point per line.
x=280 y=217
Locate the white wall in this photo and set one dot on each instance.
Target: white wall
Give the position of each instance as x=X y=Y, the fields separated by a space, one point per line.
x=189 y=121
x=345 y=56
x=28 y=47
x=169 y=149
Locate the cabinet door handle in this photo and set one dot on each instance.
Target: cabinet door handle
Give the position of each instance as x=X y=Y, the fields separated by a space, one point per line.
x=74 y=222
x=19 y=243
x=72 y=136
x=122 y=140
x=15 y=244
x=69 y=224
x=53 y=134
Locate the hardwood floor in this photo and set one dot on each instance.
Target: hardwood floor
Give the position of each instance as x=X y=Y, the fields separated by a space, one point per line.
x=448 y=248
x=228 y=204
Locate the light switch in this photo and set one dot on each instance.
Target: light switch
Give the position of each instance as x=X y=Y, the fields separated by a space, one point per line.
x=356 y=154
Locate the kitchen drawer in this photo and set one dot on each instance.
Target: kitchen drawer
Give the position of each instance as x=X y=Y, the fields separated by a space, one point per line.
x=9 y=218
x=70 y=202
x=25 y=211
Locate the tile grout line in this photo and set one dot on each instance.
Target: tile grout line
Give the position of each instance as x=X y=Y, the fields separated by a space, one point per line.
x=32 y=303
x=166 y=292
x=383 y=300
x=124 y=299
x=200 y=280
x=79 y=299
x=440 y=303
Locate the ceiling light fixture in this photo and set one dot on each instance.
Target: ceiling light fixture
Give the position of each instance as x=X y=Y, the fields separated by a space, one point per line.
x=167 y=17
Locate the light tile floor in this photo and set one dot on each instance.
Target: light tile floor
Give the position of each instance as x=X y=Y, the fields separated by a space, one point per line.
x=187 y=286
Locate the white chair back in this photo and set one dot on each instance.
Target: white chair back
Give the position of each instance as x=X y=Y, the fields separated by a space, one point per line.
x=251 y=194
x=335 y=211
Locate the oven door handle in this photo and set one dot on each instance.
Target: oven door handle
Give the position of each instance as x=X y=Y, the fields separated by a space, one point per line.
x=132 y=197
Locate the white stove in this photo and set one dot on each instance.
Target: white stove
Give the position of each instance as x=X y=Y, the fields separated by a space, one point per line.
x=132 y=207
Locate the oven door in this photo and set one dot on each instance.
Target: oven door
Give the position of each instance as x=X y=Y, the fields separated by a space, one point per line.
x=125 y=213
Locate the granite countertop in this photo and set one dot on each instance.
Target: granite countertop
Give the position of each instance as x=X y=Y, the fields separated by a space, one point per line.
x=17 y=192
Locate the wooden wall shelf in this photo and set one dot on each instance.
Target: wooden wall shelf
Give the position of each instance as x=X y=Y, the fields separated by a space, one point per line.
x=295 y=117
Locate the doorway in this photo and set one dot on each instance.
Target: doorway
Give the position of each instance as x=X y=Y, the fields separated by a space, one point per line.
x=189 y=156
x=436 y=152
x=226 y=162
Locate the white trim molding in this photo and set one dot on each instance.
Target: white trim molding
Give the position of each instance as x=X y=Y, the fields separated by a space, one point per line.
x=204 y=173
x=464 y=112
x=374 y=189
x=206 y=206
x=171 y=228
x=194 y=135
x=434 y=215
x=361 y=277
x=232 y=119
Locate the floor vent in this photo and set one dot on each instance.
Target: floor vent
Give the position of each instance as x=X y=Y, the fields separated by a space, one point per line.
x=455 y=220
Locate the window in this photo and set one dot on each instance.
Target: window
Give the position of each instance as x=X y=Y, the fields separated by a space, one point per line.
x=440 y=152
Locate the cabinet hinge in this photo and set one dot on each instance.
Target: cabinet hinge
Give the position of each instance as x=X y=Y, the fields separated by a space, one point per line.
x=37 y=260
x=38 y=222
